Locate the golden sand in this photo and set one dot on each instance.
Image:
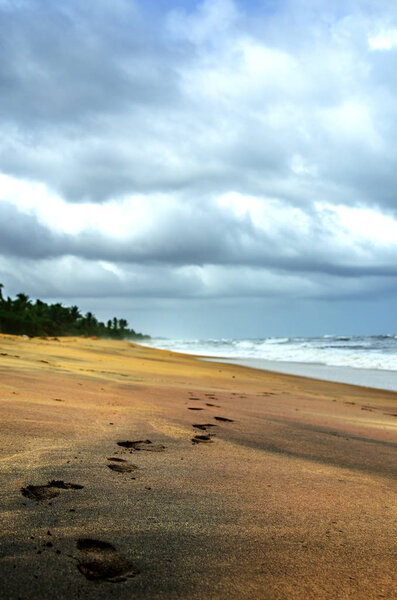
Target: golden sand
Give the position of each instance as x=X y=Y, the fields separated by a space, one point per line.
x=285 y=491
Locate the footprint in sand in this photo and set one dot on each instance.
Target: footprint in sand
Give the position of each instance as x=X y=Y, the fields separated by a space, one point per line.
x=48 y=491
x=146 y=445
x=100 y=561
x=203 y=426
x=224 y=419
x=194 y=408
x=202 y=439
x=121 y=466
x=209 y=404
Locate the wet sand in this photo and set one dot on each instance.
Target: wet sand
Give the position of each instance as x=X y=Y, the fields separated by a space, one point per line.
x=129 y=472
x=375 y=378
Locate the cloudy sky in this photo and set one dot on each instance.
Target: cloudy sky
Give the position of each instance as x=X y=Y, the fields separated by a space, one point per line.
x=214 y=168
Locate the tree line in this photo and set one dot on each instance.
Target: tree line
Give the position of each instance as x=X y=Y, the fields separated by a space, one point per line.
x=22 y=316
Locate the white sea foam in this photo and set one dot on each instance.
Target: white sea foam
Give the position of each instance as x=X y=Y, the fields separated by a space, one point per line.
x=360 y=352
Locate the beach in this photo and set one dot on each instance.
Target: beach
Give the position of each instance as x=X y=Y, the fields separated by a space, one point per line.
x=364 y=360
x=373 y=378
x=131 y=472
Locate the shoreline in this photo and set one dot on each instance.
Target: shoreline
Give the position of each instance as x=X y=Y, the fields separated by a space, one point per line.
x=379 y=379
x=286 y=490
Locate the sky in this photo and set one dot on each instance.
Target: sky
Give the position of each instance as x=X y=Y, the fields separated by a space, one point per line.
x=212 y=168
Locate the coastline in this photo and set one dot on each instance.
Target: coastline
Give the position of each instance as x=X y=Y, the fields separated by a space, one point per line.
x=292 y=495
x=371 y=378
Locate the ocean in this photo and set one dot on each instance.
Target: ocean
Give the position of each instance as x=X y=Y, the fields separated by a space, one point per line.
x=369 y=361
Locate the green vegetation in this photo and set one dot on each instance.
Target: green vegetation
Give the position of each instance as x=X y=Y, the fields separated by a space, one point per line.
x=24 y=317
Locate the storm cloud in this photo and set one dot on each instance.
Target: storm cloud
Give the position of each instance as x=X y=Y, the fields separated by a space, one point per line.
x=215 y=151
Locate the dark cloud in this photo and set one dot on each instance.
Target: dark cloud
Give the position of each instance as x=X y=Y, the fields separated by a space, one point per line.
x=99 y=101
x=64 y=63
x=22 y=236
x=246 y=130
x=203 y=235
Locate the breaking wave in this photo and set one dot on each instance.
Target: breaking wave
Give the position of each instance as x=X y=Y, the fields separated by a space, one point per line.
x=362 y=352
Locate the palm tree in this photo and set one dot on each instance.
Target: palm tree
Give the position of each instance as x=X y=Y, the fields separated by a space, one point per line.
x=123 y=324
x=22 y=302
x=74 y=312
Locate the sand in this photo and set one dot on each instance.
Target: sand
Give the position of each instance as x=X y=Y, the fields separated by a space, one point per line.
x=286 y=490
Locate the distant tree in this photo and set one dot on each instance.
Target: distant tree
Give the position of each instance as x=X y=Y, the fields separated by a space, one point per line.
x=21 y=316
x=40 y=306
x=89 y=318
x=22 y=301
x=74 y=313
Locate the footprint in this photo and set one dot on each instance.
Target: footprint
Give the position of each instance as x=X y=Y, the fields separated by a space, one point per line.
x=194 y=398
x=224 y=419
x=50 y=490
x=216 y=405
x=200 y=439
x=39 y=492
x=121 y=466
x=204 y=426
x=142 y=445
x=100 y=561
x=194 y=408
x=58 y=483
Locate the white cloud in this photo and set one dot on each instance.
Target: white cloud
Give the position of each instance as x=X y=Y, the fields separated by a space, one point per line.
x=364 y=226
x=384 y=40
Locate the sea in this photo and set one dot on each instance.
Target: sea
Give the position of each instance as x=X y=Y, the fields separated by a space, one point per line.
x=369 y=361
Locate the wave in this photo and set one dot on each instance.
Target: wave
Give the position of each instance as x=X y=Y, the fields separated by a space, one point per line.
x=364 y=352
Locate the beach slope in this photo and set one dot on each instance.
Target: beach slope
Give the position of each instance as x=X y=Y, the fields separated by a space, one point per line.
x=130 y=472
